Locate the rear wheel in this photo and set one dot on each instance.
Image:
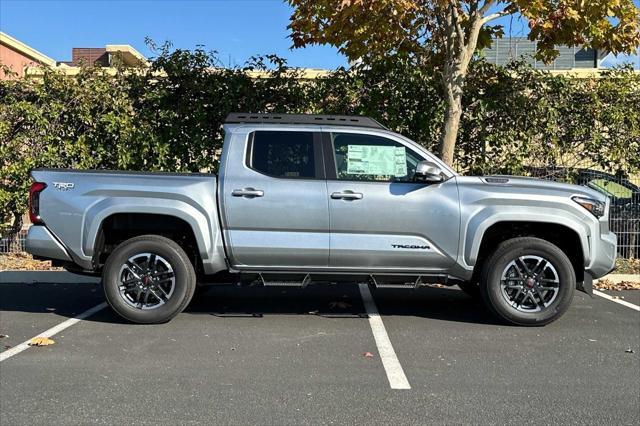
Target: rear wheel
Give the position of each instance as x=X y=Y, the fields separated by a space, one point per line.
x=148 y=279
x=528 y=281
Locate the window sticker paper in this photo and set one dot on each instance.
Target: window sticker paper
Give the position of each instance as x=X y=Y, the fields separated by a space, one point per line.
x=376 y=160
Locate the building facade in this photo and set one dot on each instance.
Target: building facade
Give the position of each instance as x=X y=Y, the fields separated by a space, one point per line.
x=504 y=50
x=17 y=57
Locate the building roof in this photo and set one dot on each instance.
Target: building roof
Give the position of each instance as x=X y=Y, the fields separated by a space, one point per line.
x=127 y=53
x=25 y=50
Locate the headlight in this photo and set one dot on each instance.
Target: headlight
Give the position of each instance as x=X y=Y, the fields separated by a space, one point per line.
x=594 y=206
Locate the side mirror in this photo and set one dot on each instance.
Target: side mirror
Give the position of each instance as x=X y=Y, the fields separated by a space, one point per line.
x=428 y=172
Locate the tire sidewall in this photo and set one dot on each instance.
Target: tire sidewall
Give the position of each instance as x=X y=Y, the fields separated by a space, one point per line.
x=492 y=291
x=172 y=253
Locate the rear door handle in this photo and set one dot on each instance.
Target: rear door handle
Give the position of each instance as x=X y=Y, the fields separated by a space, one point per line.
x=247 y=192
x=347 y=195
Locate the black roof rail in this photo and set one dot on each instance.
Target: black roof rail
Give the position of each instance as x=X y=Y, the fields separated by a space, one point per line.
x=334 y=120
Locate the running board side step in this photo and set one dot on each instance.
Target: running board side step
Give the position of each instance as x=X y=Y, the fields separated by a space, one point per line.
x=281 y=283
x=420 y=280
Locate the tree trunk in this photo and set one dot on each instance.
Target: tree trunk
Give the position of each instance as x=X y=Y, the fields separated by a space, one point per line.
x=13 y=232
x=450 y=127
x=458 y=48
x=453 y=87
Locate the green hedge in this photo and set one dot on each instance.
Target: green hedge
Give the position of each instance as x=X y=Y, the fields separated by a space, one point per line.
x=170 y=116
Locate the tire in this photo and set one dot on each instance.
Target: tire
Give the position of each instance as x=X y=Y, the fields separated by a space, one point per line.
x=546 y=288
x=470 y=288
x=148 y=279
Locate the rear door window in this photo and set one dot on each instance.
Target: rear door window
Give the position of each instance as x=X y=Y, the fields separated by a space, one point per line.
x=282 y=154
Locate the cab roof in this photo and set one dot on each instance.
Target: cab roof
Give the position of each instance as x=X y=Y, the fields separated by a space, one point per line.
x=333 y=120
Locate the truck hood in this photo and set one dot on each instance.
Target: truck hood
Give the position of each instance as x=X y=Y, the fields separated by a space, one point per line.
x=533 y=186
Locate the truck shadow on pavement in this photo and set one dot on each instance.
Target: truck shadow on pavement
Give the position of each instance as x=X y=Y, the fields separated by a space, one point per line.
x=328 y=301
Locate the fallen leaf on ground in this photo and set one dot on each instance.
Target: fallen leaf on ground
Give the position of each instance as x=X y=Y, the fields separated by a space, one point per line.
x=367 y=355
x=2 y=336
x=622 y=285
x=41 y=341
x=24 y=262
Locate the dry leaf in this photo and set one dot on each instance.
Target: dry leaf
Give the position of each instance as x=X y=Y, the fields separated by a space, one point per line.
x=24 y=262
x=622 y=285
x=41 y=341
x=367 y=355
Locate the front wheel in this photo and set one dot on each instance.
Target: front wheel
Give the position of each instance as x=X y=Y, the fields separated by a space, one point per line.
x=528 y=281
x=148 y=279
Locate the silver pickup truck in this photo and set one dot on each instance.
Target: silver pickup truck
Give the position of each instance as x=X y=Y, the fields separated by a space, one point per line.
x=310 y=198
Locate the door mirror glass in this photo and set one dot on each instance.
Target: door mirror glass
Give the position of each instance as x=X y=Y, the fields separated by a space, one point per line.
x=429 y=172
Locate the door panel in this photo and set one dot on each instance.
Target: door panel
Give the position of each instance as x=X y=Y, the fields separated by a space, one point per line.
x=276 y=222
x=391 y=222
x=394 y=225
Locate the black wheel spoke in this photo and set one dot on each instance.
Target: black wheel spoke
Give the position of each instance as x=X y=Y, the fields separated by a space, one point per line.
x=522 y=267
x=515 y=298
x=539 y=268
x=540 y=295
x=134 y=269
x=163 y=275
x=161 y=300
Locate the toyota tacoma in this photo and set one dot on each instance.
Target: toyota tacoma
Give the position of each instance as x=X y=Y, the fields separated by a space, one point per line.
x=312 y=198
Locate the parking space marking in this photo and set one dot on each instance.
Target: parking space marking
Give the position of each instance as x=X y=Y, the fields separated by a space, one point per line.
x=622 y=302
x=52 y=331
x=395 y=374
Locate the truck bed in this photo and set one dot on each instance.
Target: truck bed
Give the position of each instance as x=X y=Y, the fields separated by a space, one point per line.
x=92 y=196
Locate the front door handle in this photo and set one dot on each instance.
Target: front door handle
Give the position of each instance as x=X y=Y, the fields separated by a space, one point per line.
x=247 y=192
x=347 y=195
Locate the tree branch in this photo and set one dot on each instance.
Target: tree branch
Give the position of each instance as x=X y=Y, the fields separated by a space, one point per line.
x=485 y=7
x=456 y=22
x=494 y=16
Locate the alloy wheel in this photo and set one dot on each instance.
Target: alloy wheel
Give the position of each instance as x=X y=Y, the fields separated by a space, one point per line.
x=147 y=281
x=530 y=283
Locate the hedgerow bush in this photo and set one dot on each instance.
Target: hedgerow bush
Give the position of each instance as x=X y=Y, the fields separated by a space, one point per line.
x=170 y=116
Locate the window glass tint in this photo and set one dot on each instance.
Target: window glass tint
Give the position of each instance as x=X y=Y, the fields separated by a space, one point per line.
x=283 y=154
x=373 y=158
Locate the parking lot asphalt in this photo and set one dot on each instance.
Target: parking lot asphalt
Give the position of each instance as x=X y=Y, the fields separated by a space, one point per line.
x=296 y=356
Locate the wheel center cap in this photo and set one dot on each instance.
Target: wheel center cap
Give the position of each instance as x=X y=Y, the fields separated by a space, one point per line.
x=529 y=282
x=146 y=280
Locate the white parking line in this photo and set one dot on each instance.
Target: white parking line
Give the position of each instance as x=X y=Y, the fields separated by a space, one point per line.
x=395 y=374
x=52 y=331
x=622 y=302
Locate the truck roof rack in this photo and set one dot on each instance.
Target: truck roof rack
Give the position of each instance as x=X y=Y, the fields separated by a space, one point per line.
x=334 y=120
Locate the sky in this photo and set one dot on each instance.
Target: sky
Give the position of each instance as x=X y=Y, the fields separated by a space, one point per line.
x=237 y=29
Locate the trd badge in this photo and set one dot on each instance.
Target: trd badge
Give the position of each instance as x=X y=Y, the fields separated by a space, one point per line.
x=64 y=186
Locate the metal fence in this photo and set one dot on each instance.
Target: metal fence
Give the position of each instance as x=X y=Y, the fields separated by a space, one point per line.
x=624 y=218
x=624 y=193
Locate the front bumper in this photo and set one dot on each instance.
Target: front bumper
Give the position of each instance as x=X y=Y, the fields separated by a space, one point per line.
x=41 y=243
x=604 y=251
